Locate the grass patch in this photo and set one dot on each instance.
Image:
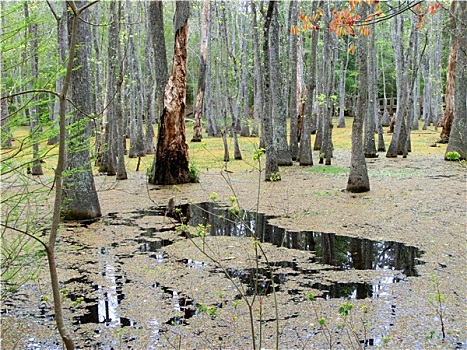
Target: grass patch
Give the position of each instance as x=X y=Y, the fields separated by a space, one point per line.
x=208 y=155
x=327 y=169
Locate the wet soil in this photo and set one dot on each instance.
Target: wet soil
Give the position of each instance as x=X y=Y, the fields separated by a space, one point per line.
x=137 y=279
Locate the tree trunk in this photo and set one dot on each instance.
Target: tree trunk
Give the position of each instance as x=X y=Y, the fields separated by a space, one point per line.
x=458 y=136
x=342 y=77
x=211 y=127
x=198 y=112
x=371 y=116
x=35 y=128
x=156 y=22
x=399 y=135
x=243 y=93
x=413 y=60
x=6 y=137
x=450 y=77
x=293 y=101
x=62 y=44
x=116 y=9
x=272 y=168
x=231 y=104
x=327 y=108
x=109 y=161
x=306 y=155
x=133 y=70
x=80 y=200
x=99 y=89
x=279 y=120
x=358 y=178
x=171 y=163
x=257 y=78
x=150 y=92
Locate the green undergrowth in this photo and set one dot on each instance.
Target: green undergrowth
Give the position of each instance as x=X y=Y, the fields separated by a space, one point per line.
x=327 y=169
x=208 y=155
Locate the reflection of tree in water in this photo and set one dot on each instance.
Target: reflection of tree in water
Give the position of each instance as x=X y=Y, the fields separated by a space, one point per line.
x=329 y=248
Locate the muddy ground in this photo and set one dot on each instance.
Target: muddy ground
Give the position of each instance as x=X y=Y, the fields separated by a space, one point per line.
x=135 y=281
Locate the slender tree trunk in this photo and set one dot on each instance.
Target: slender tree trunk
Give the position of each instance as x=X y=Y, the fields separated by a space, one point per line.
x=35 y=127
x=306 y=155
x=243 y=98
x=171 y=163
x=279 y=120
x=342 y=76
x=293 y=101
x=272 y=168
x=437 y=67
x=379 y=113
x=330 y=57
x=133 y=70
x=458 y=136
x=358 y=178
x=6 y=137
x=231 y=103
x=150 y=91
x=371 y=116
x=62 y=44
x=98 y=87
x=427 y=92
x=109 y=161
x=212 y=127
x=399 y=135
x=386 y=119
x=450 y=77
x=156 y=22
x=116 y=10
x=412 y=64
x=258 y=76
x=198 y=112
x=301 y=92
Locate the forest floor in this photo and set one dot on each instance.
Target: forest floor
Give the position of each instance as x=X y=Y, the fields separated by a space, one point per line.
x=145 y=286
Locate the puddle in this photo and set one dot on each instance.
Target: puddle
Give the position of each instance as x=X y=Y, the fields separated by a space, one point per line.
x=153 y=246
x=328 y=248
x=336 y=252
x=104 y=309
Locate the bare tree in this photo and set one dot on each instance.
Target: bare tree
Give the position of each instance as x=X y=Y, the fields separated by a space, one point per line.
x=156 y=24
x=198 y=112
x=80 y=199
x=278 y=104
x=257 y=77
x=371 y=116
x=458 y=136
x=450 y=75
x=358 y=178
x=404 y=55
x=272 y=168
x=134 y=86
x=306 y=155
x=35 y=127
x=171 y=163
x=294 y=101
x=62 y=44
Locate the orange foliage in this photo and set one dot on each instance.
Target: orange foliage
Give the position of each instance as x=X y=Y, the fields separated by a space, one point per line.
x=430 y=9
x=346 y=21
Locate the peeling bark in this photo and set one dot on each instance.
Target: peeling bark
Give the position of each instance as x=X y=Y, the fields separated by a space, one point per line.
x=171 y=163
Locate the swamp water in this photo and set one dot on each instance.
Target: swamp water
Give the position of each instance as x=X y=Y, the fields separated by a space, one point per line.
x=325 y=253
